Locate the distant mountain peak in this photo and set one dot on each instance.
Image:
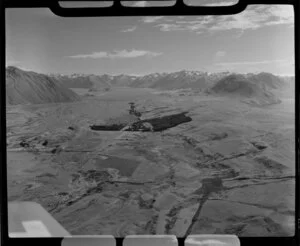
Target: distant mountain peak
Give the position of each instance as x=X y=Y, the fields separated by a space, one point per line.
x=183 y=79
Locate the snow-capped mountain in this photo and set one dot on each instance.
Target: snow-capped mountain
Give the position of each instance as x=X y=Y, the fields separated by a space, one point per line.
x=163 y=81
x=55 y=87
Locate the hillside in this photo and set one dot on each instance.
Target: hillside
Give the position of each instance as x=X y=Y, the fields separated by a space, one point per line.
x=261 y=88
x=168 y=81
x=23 y=87
x=161 y=81
x=92 y=82
x=181 y=80
x=268 y=80
x=250 y=89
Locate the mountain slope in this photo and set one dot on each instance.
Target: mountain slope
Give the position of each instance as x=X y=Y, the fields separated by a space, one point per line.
x=243 y=87
x=268 y=80
x=182 y=80
x=175 y=80
x=262 y=88
x=93 y=82
x=23 y=87
x=165 y=81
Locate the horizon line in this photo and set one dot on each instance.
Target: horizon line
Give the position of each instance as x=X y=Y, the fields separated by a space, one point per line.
x=146 y=74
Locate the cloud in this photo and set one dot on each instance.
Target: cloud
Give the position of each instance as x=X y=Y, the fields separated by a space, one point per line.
x=243 y=63
x=280 y=65
x=118 y=54
x=152 y=19
x=166 y=27
x=130 y=29
x=220 y=54
x=254 y=17
x=209 y=242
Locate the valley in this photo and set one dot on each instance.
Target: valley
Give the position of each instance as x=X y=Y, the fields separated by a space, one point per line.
x=228 y=169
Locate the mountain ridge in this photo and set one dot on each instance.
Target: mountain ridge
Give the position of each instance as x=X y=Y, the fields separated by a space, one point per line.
x=27 y=87
x=259 y=87
x=168 y=81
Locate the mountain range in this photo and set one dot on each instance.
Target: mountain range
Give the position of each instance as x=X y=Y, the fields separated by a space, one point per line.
x=30 y=87
x=166 y=81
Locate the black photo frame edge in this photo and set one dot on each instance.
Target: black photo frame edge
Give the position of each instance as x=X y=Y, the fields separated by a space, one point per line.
x=118 y=10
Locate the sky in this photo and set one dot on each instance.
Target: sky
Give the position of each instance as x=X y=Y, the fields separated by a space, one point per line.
x=261 y=38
